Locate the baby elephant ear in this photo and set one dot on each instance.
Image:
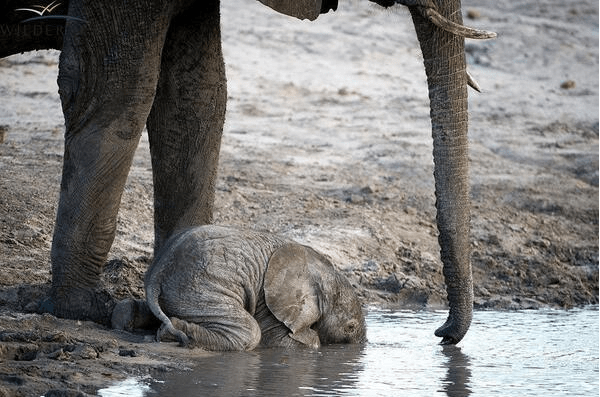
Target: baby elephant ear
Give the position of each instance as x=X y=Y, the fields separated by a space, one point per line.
x=290 y=293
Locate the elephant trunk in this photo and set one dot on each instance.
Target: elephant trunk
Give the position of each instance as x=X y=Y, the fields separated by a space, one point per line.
x=445 y=66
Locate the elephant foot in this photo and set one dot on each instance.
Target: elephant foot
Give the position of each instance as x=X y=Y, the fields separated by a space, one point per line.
x=130 y=314
x=79 y=304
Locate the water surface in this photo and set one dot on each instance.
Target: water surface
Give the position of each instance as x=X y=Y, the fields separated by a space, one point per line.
x=522 y=353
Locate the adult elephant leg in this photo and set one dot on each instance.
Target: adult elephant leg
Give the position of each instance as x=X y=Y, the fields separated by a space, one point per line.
x=186 y=121
x=107 y=77
x=445 y=67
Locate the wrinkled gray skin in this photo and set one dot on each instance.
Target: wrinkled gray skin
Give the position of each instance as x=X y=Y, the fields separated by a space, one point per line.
x=159 y=63
x=222 y=289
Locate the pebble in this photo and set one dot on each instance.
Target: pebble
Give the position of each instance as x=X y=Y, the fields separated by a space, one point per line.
x=473 y=14
x=567 y=85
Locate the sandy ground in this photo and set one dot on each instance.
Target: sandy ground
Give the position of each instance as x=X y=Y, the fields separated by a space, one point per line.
x=327 y=141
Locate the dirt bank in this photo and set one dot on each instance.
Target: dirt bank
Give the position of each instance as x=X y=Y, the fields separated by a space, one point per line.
x=327 y=141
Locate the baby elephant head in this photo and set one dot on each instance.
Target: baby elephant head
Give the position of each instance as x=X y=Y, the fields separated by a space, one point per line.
x=305 y=292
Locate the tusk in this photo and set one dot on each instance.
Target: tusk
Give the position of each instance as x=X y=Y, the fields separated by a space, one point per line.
x=451 y=27
x=472 y=83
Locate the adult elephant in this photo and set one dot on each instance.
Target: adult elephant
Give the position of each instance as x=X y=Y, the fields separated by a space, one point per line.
x=159 y=63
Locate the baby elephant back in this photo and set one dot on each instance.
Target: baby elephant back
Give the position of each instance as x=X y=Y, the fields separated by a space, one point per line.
x=211 y=267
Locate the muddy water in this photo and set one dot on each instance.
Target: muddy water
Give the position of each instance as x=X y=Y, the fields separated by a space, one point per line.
x=525 y=353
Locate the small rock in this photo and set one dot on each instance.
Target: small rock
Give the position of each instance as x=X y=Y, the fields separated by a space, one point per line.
x=355 y=199
x=366 y=190
x=370 y=266
x=410 y=211
x=473 y=14
x=3 y=132
x=127 y=353
x=58 y=337
x=31 y=307
x=567 y=85
x=59 y=355
x=85 y=352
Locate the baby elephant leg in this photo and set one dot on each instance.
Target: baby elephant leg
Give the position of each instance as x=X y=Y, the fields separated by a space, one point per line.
x=236 y=330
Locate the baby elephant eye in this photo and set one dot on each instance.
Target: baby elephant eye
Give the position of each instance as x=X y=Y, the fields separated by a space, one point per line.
x=350 y=327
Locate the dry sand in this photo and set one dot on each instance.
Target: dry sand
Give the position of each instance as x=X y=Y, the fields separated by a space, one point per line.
x=327 y=141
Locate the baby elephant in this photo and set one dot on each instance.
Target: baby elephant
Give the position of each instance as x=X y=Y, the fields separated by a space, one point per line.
x=222 y=289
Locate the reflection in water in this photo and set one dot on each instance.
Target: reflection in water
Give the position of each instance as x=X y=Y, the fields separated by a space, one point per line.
x=508 y=354
x=456 y=383
x=271 y=372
